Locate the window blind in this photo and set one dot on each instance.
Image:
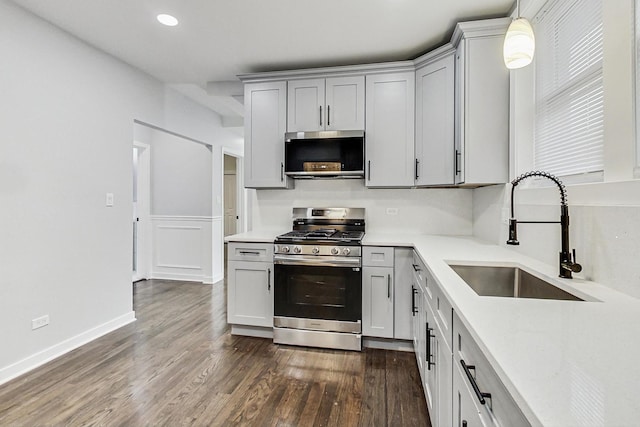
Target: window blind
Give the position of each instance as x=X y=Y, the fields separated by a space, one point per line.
x=569 y=94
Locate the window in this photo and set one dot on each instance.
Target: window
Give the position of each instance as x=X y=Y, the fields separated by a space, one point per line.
x=569 y=92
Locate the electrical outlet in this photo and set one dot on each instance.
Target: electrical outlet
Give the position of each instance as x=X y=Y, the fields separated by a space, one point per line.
x=40 y=322
x=109 y=199
x=392 y=211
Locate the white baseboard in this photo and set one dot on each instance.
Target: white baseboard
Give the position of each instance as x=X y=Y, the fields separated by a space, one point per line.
x=387 y=344
x=29 y=363
x=178 y=276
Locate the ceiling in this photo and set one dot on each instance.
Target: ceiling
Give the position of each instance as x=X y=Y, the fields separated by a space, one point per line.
x=218 y=39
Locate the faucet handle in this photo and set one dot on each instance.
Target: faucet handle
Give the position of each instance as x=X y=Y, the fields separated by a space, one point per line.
x=574 y=266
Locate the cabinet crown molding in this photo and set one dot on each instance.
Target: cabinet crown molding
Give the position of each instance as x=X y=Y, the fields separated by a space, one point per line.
x=434 y=55
x=324 y=72
x=482 y=28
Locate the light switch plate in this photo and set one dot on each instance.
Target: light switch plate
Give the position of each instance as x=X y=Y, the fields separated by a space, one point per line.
x=392 y=211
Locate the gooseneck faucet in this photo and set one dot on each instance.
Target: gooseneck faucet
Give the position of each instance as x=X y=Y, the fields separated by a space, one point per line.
x=567 y=262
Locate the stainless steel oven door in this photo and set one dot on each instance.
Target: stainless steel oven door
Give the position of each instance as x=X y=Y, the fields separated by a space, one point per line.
x=308 y=288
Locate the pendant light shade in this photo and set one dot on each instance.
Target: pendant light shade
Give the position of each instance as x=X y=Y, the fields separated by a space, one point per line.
x=519 y=44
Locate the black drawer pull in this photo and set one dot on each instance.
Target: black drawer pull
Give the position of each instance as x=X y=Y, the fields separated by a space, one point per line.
x=249 y=253
x=467 y=370
x=428 y=345
x=416 y=268
x=414 y=309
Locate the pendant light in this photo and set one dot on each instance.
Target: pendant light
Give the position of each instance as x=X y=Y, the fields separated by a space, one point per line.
x=519 y=42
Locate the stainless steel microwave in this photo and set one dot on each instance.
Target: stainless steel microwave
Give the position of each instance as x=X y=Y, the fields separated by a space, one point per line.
x=325 y=154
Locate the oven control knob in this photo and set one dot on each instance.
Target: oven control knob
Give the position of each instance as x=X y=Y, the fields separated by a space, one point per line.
x=315 y=250
x=285 y=249
x=346 y=251
x=296 y=249
x=335 y=251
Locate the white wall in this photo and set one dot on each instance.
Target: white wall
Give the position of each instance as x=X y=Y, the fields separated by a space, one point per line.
x=66 y=123
x=181 y=176
x=434 y=211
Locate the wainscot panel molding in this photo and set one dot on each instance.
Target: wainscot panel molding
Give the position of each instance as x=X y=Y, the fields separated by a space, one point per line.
x=216 y=251
x=181 y=247
x=27 y=364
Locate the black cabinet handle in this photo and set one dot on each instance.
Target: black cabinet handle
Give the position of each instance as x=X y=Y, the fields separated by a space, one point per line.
x=369 y=170
x=328 y=115
x=388 y=286
x=249 y=253
x=458 y=155
x=415 y=267
x=321 y=115
x=417 y=163
x=281 y=171
x=269 y=279
x=467 y=370
x=414 y=310
x=428 y=345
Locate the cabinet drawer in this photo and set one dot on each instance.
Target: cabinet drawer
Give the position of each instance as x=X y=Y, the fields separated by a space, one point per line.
x=442 y=311
x=244 y=251
x=374 y=256
x=501 y=405
x=419 y=269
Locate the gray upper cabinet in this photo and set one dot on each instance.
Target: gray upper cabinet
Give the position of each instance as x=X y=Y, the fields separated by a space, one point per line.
x=335 y=103
x=482 y=103
x=435 y=119
x=264 y=129
x=390 y=118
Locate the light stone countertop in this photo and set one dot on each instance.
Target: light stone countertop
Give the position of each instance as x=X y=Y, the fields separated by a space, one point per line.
x=565 y=363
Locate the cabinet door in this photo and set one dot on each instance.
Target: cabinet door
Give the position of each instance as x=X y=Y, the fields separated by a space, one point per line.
x=430 y=351
x=345 y=103
x=435 y=123
x=377 y=302
x=443 y=359
x=404 y=300
x=305 y=105
x=417 y=326
x=390 y=117
x=465 y=411
x=265 y=124
x=482 y=111
x=250 y=293
x=459 y=114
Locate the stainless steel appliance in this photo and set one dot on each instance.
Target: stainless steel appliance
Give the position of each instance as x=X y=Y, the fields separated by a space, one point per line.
x=326 y=154
x=318 y=279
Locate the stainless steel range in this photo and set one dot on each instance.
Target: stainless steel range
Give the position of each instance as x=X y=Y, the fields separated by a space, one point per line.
x=318 y=279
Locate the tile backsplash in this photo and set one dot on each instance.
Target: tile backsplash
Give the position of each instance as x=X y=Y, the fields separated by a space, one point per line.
x=606 y=237
x=432 y=211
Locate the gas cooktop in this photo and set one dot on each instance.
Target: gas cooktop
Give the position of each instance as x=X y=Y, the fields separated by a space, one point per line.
x=324 y=234
x=325 y=226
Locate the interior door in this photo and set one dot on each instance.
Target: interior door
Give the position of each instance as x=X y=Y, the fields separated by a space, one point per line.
x=140 y=211
x=230 y=205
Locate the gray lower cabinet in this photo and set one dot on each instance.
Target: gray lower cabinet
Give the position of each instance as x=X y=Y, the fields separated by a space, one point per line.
x=474 y=373
x=377 y=302
x=403 y=294
x=250 y=284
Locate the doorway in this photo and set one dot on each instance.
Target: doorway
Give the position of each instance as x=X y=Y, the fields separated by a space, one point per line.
x=141 y=213
x=230 y=206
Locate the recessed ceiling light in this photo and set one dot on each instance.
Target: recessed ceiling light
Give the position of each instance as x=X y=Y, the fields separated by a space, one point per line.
x=167 y=20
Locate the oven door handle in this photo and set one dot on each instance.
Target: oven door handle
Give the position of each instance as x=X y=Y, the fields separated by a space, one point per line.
x=314 y=261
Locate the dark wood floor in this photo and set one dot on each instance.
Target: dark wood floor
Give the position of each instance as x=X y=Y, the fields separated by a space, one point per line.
x=178 y=365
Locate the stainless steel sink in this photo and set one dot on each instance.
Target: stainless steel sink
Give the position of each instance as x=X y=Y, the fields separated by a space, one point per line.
x=513 y=282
